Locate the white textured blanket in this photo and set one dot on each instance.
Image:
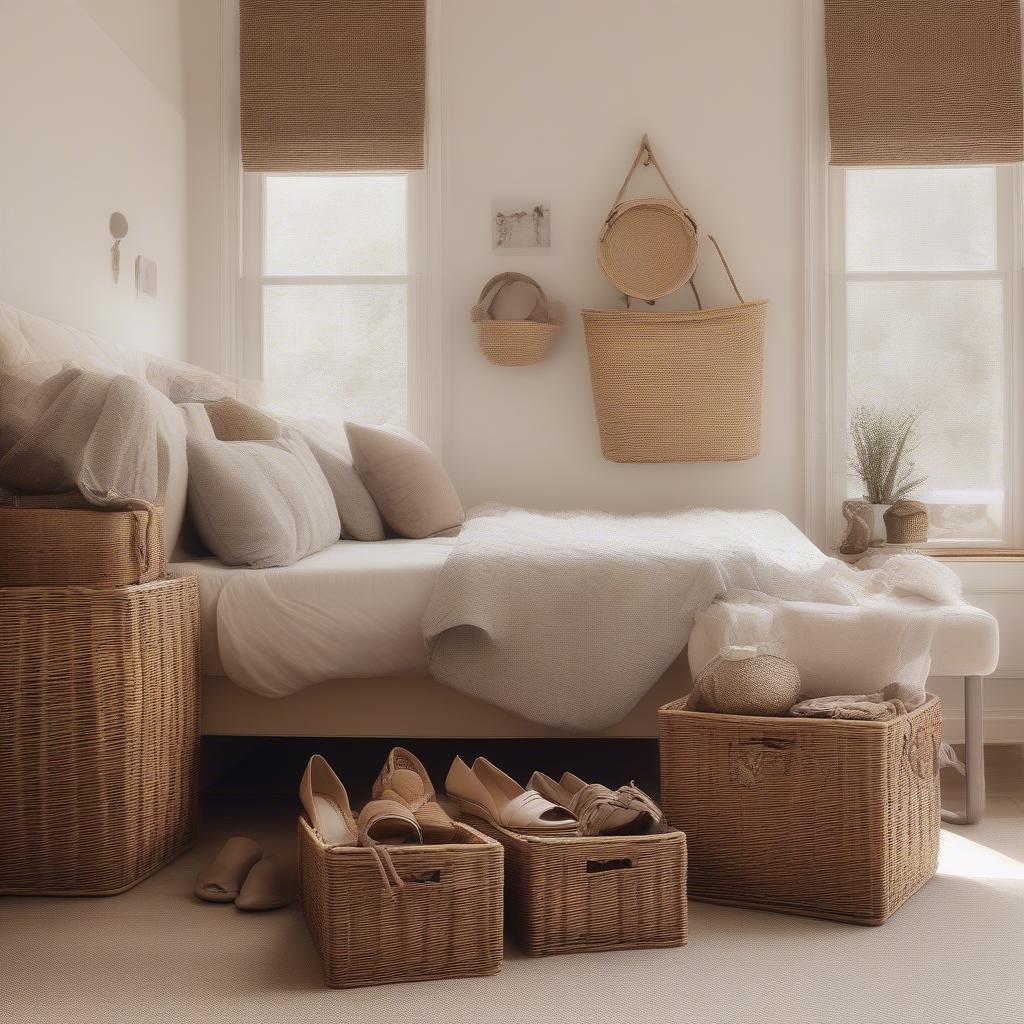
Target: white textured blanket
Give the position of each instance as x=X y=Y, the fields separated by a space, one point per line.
x=569 y=618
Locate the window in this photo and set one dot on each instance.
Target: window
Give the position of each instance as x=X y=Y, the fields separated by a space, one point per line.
x=922 y=318
x=330 y=297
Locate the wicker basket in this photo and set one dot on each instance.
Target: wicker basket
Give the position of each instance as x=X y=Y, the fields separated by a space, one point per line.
x=513 y=342
x=677 y=386
x=822 y=818
x=906 y=522
x=578 y=895
x=444 y=922
x=99 y=734
x=61 y=540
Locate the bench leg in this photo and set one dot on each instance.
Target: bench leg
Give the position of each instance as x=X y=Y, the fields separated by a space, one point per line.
x=974 y=754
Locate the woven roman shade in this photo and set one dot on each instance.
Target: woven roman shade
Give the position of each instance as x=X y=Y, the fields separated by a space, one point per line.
x=924 y=81
x=332 y=85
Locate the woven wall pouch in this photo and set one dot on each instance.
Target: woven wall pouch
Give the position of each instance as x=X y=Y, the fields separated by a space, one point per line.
x=516 y=342
x=648 y=247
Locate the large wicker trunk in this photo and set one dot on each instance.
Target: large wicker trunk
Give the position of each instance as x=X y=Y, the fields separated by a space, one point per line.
x=99 y=733
x=444 y=922
x=584 y=894
x=817 y=817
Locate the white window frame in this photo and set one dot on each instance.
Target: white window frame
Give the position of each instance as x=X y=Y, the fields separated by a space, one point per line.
x=420 y=405
x=1007 y=240
x=825 y=363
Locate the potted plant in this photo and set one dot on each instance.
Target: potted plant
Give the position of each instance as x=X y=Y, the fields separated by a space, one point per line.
x=882 y=443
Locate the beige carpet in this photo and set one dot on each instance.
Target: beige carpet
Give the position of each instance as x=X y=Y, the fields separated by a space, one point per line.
x=954 y=953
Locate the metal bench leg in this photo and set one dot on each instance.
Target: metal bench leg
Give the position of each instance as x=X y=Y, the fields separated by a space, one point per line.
x=974 y=754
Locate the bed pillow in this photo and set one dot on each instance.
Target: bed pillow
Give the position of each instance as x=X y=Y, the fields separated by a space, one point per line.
x=406 y=481
x=235 y=421
x=260 y=503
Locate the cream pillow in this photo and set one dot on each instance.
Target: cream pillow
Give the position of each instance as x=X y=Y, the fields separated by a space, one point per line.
x=406 y=481
x=360 y=519
x=260 y=503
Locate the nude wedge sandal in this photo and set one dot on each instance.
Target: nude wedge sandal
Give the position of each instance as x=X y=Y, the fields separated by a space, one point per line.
x=326 y=804
x=485 y=791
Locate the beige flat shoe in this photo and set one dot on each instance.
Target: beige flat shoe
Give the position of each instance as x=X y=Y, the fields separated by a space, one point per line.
x=404 y=779
x=325 y=802
x=487 y=792
x=268 y=886
x=222 y=879
x=601 y=811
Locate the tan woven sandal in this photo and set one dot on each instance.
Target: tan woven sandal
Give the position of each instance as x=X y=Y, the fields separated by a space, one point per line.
x=388 y=823
x=222 y=879
x=270 y=885
x=404 y=779
x=487 y=792
x=601 y=811
x=326 y=804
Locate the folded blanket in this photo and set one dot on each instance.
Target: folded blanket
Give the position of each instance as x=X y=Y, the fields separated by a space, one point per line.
x=895 y=700
x=568 y=618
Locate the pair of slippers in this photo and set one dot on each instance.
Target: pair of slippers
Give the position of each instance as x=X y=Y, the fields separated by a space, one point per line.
x=240 y=874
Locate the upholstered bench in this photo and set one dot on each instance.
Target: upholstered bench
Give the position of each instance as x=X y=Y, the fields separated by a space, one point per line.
x=965 y=645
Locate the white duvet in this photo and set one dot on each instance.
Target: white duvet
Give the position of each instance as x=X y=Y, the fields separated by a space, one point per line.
x=569 y=618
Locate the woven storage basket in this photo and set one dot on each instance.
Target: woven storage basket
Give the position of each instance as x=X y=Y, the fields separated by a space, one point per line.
x=60 y=539
x=577 y=895
x=512 y=342
x=648 y=247
x=99 y=734
x=678 y=386
x=444 y=922
x=816 y=817
x=906 y=522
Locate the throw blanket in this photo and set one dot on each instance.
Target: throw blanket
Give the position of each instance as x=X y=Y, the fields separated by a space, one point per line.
x=569 y=618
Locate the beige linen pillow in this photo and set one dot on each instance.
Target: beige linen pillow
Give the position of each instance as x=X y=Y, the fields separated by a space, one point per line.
x=235 y=421
x=260 y=503
x=406 y=481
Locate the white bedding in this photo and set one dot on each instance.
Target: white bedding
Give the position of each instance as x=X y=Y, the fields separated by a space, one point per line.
x=350 y=611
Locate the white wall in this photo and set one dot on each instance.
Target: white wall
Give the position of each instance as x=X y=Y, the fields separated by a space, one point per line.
x=550 y=101
x=89 y=126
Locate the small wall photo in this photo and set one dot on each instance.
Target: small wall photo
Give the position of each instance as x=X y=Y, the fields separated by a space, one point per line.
x=520 y=224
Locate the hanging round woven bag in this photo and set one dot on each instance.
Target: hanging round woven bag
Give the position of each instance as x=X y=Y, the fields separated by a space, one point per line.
x=648 y=247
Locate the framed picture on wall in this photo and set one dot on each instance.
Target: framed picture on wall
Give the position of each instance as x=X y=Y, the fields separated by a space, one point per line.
x=520 y=224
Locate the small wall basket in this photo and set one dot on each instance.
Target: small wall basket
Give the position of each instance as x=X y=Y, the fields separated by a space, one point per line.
x=513 y=342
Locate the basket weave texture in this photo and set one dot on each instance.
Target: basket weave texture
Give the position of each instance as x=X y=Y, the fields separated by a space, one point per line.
x=906 y=522
x=677 y=386
x=513 y=342
x=444 y=922
x=99 y=734
x=54 y=540
x=821 y=818
x=577 y=895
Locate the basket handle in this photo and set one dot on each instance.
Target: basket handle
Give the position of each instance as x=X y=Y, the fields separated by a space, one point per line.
x=507 y=278
x=646 y=156
x=725 y=264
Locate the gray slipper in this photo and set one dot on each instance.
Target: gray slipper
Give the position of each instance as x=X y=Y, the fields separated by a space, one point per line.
x=269 y=885
x=221 y=880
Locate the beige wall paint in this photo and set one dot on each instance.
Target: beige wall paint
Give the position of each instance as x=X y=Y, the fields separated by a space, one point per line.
x=85 y=132
x=550 y=100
